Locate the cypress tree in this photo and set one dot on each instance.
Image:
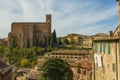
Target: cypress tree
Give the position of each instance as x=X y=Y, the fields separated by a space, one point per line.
x=53 y=41
x=54 y=38
x=59 y=41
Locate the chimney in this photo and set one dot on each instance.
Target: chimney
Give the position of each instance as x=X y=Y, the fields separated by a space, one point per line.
x=110 y=33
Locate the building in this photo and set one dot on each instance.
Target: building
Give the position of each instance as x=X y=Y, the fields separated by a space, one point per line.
x=28 y=34
x=28 y=74
x=73 y=57
x=1 y=42
x=5 y=72
x=73 y=38
x=107 y=55
x=86 y=41
x=79 y=40
x=69 y=54
x=84 y=72
x=85 y=68
x=107 y=58
x=4 y=42
x=118 y=11
x=117 y=32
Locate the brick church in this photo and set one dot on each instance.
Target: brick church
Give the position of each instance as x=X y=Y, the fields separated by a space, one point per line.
x=29 y=34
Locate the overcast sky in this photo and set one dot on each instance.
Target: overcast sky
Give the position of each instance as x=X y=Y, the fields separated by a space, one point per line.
x=68 y=16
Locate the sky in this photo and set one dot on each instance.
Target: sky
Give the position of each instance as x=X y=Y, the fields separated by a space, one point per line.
x=86 y=17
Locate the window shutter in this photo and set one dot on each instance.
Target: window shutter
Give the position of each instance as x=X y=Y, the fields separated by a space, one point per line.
x=95 y=47
x=109 y=51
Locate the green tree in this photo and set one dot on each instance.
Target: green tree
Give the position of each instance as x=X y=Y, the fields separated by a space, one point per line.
x=15 y=55
x=56 y=69
x=14 y=41
x=65 y=41
x=54 y=37
x=53 y=40
x=25 y=62
x=59 y=41
x=1 y=51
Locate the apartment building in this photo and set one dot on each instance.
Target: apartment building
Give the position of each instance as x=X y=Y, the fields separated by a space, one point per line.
x=107 y=58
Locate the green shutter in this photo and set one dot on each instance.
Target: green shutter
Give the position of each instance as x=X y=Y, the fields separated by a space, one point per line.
x=96 y=47
x=102 y=48
x=109 y=51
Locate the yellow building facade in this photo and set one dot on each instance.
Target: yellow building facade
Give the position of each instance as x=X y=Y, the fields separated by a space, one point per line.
x=107 y=58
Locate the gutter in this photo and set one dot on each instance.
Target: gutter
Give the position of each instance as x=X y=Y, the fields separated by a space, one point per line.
x=117 y=60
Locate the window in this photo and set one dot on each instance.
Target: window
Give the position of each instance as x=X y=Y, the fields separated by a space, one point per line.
x=108 y=66
x=109 y=49
x=103 y=69
x=102 y=48
x=95 y=47
x=113 y=67
x=84 y=72
x=80 y=71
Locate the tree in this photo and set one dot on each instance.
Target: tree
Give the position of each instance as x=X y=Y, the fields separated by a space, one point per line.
x=65 y=41
x=14 y=41
x=53 y=41
x=54 y=38
x=1 y=51
x=25 y=62
x=59 y=41
x=56 y=69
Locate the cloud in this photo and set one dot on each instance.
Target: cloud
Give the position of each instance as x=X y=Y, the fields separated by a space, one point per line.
x=81 y=16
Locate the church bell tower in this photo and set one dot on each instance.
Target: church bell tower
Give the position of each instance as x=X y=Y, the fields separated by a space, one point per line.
x=48 y=18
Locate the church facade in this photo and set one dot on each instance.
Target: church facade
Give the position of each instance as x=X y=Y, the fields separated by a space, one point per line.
x=29 y=34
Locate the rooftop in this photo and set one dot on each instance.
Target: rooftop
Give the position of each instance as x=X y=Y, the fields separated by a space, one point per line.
x=29 y=23
x=107 y=39
x=84 y=64
x=71 y=51
x=4 y=67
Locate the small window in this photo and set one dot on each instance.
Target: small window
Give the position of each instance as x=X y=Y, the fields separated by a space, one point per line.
x=103 y=69
x=113 y=67
x=71 y=57
x=84 y=72
x=108 y=66
x=95 y=47
x=102 y=48
x=80 y=71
